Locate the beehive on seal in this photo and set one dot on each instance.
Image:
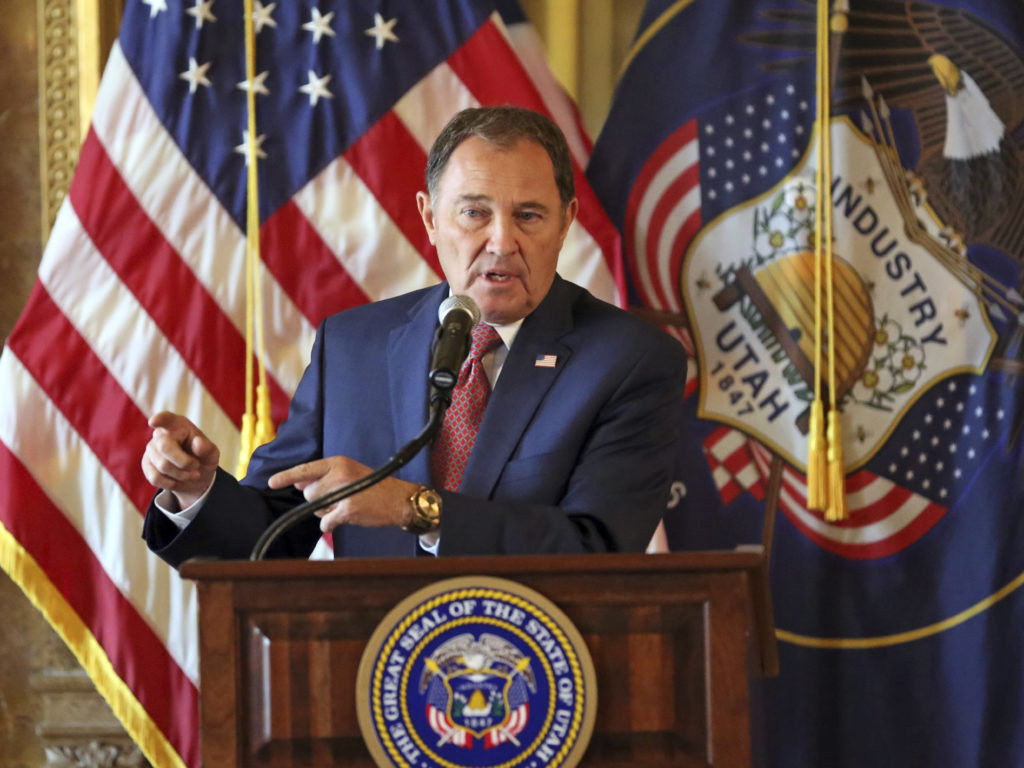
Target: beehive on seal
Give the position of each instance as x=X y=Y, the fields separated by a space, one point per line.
x=783 y=293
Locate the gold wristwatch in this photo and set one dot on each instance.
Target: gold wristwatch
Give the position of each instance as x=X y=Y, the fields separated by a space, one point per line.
x=426 y=511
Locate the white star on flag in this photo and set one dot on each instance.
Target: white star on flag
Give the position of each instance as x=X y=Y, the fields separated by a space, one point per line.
x=195 y=75
x=243 y=148
x=201 y=10
x=319 y=25
x=317 y=87
x=383 y=31
x=261 y=16
x=259 y=84
x=155 y=6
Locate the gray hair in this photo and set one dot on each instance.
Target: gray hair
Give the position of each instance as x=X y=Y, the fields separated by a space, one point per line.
x=503 y=126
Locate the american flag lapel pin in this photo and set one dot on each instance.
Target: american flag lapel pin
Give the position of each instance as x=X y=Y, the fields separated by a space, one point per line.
x=545 y=361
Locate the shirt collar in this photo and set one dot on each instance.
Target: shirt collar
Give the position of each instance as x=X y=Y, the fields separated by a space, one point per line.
x=508 y=332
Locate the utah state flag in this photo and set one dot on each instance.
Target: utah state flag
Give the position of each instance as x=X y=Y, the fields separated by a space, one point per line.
x=900 y=627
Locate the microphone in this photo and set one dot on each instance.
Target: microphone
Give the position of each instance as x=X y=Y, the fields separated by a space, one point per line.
x=458 y=315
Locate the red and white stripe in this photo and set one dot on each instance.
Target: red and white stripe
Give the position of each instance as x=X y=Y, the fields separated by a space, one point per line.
x=140 y=307
x=884 y=517
x=662 y=216
x=515 y=724
x=446 y=729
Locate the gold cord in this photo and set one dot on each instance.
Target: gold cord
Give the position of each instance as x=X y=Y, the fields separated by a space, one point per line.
x=257 y=427
x=817 y=464
x=826 y=477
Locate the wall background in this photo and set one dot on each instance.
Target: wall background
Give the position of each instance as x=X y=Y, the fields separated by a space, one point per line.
x=51 y=57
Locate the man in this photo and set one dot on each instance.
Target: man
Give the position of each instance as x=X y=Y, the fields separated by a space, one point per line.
x=571 y=456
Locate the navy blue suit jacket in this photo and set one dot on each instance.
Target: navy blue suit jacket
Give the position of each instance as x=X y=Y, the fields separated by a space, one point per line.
x=573 y=458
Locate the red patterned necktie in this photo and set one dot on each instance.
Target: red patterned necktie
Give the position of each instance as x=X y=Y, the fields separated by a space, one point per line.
x=453 y=445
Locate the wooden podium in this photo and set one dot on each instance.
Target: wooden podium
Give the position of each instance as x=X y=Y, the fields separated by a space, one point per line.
x=673 y=638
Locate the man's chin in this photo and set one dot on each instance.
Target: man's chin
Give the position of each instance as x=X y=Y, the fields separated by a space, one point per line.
x=500 y=305
x=503 y=314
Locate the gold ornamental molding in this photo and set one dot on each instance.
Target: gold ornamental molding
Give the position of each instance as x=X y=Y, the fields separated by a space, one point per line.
x=58 y=103
x=74 y=36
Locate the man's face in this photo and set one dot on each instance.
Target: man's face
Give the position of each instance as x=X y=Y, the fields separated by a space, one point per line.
x=498 y=226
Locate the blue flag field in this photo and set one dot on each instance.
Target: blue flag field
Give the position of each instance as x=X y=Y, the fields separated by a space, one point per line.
x=900 y=627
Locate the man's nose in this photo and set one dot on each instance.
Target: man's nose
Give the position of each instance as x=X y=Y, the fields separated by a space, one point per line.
x=501 y=238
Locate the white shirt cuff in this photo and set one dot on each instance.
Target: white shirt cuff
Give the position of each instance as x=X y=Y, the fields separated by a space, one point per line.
x=167 y=503
x=429 y=542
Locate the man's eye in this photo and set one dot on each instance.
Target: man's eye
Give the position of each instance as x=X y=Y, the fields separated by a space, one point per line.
x=529 y=216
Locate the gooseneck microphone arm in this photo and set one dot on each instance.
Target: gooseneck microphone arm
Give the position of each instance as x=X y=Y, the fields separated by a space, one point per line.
x=457 y=315
x=294 y=516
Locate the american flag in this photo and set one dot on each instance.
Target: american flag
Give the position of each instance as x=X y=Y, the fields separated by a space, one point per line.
x=545 y=361
x=140 y=302
x=513 y=726
x=437 y=716
x=518 y=716
x=440 y=723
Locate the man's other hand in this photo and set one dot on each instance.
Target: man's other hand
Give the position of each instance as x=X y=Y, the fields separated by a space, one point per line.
x=386 y=503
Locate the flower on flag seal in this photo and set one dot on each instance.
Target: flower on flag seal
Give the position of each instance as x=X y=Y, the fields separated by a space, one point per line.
x=786 y=223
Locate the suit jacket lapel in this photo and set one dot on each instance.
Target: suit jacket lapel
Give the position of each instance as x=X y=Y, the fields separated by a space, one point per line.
x=408 y=357
x=520 y=389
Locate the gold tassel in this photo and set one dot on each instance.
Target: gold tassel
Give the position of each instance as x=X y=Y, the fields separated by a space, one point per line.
x=264 y=424
x=817 y=460
x=246 y=446
x=256 y=430
x=836 y=510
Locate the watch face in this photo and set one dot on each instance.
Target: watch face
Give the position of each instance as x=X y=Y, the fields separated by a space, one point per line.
x=431 y=501
x=427 y=505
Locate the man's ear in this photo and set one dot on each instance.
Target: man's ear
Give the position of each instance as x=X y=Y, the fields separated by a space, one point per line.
x=427 y=214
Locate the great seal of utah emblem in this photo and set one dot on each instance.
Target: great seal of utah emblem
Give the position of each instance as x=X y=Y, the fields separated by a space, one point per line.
x=476 y=672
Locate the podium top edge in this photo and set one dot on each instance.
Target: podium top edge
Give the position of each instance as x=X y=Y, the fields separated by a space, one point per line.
x=741 y=559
